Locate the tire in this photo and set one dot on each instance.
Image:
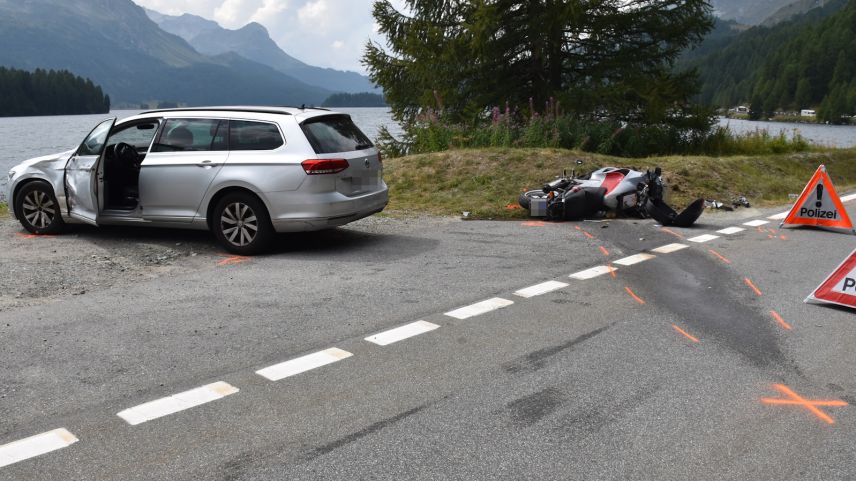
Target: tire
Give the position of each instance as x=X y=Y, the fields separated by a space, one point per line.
x=236 y=216
x=524 y=199
x=38 y=210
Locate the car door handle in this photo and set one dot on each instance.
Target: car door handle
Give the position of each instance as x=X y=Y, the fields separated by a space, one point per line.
x=206 y=163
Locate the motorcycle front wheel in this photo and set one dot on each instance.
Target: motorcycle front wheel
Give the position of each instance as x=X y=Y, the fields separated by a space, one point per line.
x=525 y=198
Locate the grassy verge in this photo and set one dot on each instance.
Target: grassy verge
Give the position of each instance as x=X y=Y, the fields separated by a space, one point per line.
x=4 y=209
x=486 y=181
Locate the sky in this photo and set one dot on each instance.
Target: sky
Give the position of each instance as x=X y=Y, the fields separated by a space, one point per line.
x=325 y=33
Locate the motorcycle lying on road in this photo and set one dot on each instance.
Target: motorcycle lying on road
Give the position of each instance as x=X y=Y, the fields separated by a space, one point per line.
x=609 y=189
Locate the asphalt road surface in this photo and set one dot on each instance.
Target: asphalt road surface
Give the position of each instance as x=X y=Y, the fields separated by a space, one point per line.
x=399 y=350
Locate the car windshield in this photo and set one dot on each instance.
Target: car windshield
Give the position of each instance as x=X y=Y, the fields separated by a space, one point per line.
x=335 y=133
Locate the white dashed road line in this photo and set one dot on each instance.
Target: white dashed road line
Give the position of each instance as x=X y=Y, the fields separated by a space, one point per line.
x=540 y=289
x=35 y=446
x=592 y=273
x=779 y=216
x=479 y=308
x=756 y=223
x=401 y=333
x=634 y=259
x=669 y=248
x=303 y=364
x=703 y=238
x=848 y=198
x=730 y=230
x=177 y=402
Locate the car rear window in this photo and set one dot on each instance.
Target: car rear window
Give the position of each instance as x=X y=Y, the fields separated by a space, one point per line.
x=247 y=135
x=334 y=133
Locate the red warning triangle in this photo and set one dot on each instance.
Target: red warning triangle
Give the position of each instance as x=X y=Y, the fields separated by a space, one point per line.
x=840 y=287
x=819 y=205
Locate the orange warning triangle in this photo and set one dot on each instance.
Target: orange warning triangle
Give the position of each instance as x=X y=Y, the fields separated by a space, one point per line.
x=840 y=287
x=819 y=205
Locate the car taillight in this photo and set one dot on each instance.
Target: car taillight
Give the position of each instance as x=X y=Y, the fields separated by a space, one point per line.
x=324 y=166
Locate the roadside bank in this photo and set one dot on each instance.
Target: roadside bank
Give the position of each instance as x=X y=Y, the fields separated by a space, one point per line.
x=487 y=182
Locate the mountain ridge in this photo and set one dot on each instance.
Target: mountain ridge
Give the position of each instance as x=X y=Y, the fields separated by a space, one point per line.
x=114 y=43
x=253 y=41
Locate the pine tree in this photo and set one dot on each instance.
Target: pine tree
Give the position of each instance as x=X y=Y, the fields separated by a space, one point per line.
x=597 y=57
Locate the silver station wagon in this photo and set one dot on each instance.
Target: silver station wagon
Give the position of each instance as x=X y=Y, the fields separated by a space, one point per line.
x=242 y=172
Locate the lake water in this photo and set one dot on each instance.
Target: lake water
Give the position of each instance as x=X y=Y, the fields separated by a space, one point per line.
x=26 y=137
x=842 y=136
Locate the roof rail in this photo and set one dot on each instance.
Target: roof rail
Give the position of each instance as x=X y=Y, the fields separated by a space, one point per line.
x=260 y=110
x=304 y=107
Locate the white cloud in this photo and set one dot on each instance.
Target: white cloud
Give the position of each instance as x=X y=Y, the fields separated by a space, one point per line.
x=315 y=14
x=236 y=13
x=326 y=33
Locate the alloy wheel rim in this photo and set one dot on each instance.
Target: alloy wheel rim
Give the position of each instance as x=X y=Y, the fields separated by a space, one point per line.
x=239 y=224
x=39 y=209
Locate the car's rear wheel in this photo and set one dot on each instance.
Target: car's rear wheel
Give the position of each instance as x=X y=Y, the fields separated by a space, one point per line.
x=242 y=225
x=37 y=209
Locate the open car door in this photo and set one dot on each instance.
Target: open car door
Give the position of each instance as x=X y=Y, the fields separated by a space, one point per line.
x=81 y=175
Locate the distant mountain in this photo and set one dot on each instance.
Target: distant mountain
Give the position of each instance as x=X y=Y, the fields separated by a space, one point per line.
x=254 y=42
x=792 y=10
x=114 y=43
x=747 y=12
x=808 y=61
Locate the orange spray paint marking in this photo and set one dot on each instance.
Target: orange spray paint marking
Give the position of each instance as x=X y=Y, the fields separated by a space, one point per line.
x=751 y=286
x=670 y=231
x=720 y=256
x=513 y=207
x=604 y=251
x=612 y=271
x=233 y=260
x=634 y=296
x=779 y=319
x=783 y=237
x=588 y=235
x=32 y=236
x=797 y=400
x=685 y=334
x=534 y=223
x=577 y=227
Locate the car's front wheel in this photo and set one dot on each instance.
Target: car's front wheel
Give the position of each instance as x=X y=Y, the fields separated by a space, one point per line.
x=242 y=225
x=37 y=209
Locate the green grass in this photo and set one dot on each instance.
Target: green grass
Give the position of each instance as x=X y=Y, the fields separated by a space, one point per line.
x=4 y=209
x=486 y=181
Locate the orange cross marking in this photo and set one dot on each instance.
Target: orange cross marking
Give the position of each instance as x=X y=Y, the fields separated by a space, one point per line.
x=670 y=231
x=604 y=251
x=685 y=334
x=779 y=319
x=751 y=286
x=797 y=400
x=634 y=296
x=233 y=260
x=612 y=271
x=587 y=234
x=534 y=223
x=720 y=256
